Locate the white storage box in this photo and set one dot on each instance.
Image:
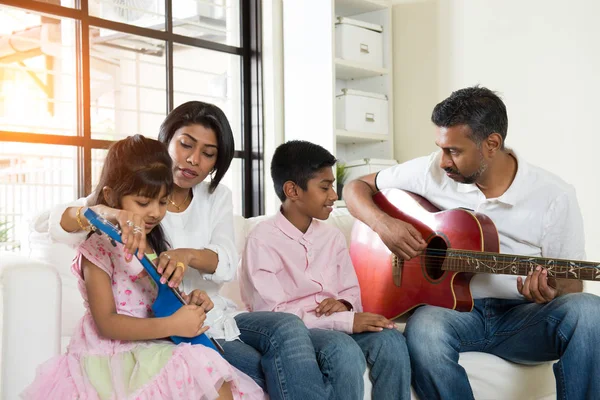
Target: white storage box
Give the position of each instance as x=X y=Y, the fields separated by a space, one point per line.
x=360 y=111
x=366 y=166
x=359 y=41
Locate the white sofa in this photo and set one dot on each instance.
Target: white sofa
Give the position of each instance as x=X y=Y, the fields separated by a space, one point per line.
x=41 y=305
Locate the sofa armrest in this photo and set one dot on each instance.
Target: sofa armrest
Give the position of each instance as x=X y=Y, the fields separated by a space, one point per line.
x=31 y=321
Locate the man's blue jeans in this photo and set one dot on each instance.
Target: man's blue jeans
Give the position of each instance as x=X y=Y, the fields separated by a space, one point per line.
x=277 y=352
x=567 y=328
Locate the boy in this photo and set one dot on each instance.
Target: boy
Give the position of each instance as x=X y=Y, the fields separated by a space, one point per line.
x=295 y=263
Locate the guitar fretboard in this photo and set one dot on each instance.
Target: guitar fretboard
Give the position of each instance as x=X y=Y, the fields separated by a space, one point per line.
x=509 y=264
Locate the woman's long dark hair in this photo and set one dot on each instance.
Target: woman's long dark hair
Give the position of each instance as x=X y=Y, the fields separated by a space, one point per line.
x=137 y=166
x=210 y=117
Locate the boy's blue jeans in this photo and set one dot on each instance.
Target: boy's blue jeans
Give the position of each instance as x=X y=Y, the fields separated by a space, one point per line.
x=276 y=351
x=343 y=359
x=290 y=361
x=567 y=328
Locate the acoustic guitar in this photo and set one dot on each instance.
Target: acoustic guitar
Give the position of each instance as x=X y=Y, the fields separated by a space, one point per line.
x=168 y=299
x=460 y=243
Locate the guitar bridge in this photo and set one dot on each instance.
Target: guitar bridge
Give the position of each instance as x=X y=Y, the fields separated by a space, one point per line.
x=397 y=265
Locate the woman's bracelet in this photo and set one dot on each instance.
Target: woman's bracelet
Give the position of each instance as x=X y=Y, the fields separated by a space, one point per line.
x=80 y=222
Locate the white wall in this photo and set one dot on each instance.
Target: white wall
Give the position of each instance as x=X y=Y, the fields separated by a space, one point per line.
x=542 y=56
x=273 y=105
x=309 y=72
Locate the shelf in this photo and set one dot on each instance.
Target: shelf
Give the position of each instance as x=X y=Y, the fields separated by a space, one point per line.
x=353 y=70
x=346 y=8
x=346 y=137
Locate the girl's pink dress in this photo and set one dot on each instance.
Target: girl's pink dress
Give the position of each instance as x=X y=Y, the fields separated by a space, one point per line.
x=99 y=368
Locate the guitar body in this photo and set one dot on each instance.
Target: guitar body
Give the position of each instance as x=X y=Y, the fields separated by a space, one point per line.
x=391 y=286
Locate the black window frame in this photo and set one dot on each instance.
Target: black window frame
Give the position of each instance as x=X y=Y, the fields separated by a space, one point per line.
x=251 y=153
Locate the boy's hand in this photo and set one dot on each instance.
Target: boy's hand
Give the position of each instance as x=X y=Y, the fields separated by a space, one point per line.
x=199 y=298
x=369 y=322
x=330 y=306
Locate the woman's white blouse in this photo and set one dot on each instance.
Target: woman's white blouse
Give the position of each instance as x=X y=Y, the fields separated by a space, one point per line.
x=207 y=223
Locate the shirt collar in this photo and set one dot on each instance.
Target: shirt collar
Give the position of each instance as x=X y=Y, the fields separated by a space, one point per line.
x=515 y=190
x=291 y=231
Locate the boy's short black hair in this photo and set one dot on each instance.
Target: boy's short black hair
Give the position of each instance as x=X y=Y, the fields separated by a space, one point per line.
x=298 y=161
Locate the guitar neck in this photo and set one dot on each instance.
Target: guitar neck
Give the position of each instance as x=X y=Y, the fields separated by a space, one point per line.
x=509 y=264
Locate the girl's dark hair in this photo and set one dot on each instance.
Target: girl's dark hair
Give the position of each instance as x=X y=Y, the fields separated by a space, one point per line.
x=210 y=117
x=139 y=166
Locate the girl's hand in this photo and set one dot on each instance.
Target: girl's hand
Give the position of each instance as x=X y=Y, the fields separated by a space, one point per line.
x=133 y=232
x=188 y=321
x=199 y=298
x=171 y=266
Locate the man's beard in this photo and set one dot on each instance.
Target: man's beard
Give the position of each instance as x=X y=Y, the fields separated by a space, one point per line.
x=474 y=177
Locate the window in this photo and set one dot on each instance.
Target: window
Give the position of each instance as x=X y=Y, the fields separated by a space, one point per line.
x=76 y=75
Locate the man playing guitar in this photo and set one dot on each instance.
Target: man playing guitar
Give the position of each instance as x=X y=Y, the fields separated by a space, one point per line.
x=522 y=319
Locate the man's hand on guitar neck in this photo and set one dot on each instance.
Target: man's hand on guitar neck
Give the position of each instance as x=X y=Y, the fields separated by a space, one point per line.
x=540 y=288
x=400 y=237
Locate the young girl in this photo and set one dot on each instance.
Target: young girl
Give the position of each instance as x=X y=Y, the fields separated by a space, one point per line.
x=115 y=352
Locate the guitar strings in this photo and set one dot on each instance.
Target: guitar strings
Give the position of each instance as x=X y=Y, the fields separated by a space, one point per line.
x=431 y=253
x=487 y=256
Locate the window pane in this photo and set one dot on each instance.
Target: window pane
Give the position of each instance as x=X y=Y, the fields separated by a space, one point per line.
x=214 y=20
x=37 y=73
x=33 y=177
x=210 y=76
x=128 y=84
x=144 y=13
x=233 y=180
x=64 y=3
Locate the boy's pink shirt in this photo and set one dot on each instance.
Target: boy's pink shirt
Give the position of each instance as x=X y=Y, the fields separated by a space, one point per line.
x=286 y=270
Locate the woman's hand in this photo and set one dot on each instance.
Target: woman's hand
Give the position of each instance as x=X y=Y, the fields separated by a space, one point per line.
x=199 y=298
x=133 y=233
x=171 y=265
x=188 y=321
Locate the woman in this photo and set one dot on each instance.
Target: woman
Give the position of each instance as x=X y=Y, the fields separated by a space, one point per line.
x=272 y=348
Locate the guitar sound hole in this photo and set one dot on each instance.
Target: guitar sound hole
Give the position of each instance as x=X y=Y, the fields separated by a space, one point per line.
x=435 y=254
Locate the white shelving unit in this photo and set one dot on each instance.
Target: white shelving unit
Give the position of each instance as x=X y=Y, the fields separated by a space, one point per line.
x=352 y=75
x=314 y=75
x=351 y=70
x=347 y=8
